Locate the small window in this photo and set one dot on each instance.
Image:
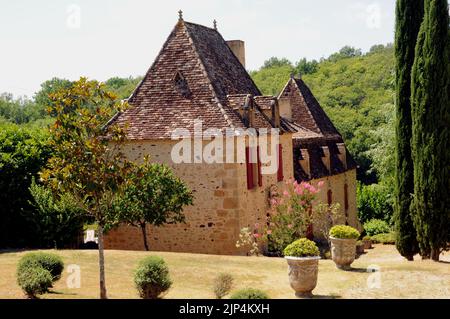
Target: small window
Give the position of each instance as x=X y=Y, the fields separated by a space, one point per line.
x=181 y=85
x=254 y=176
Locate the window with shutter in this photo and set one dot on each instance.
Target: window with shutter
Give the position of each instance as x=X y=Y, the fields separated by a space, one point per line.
x=330 y=197
x=259 y=168
x=280 y=163
x=249 y=165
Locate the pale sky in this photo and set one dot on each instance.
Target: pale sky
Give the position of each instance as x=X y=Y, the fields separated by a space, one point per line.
x=101 y=39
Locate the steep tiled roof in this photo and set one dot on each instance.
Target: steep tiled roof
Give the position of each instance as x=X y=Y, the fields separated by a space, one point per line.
x=315 y=151
x=190 y=79
x=306 y=110
x=316 y=131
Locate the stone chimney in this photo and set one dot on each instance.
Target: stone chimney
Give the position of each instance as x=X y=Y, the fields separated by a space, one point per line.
x=326 y=157
x=284 y=104
x=342 y=154
x=275 y=113
x=304 y=161
x=238 y=48
x=247 y=111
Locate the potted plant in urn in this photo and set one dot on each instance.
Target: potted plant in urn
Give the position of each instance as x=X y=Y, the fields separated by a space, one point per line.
x=343 y=245
x=367 y=240
x=302 y=257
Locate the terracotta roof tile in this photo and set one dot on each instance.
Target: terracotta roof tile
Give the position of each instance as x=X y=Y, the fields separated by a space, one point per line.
x=306 y=110
x=190 y=79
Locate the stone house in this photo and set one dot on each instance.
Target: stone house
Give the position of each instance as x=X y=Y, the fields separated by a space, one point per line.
x=198 y=76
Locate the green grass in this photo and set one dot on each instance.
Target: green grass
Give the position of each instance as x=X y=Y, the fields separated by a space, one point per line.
x=193 y=275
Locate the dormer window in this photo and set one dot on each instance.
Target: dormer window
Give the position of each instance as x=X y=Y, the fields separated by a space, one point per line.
x=181 y=85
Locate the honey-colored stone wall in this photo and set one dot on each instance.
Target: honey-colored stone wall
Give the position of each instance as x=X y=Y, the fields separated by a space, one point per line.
x=336 y=184
x=222 y=203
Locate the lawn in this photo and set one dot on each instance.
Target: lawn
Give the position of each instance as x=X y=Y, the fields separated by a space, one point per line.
x=193 y=275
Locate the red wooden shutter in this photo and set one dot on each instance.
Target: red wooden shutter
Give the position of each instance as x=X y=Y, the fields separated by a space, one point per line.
x=346 y=196
x=330 y=197
x=280 y=163
x=259 y=167
x=250 y=184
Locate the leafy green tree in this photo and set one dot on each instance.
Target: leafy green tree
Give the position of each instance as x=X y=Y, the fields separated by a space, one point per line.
x=23 y=153
x=87 y=162
x=122 y=87
x=20 y=110
x=346 y=52
x=153 y=195
x=409 y=16
x=43 y=96
x=58 y=220
x=276 y=62
x=374 y=202
x=304 y=66
x=430 y=89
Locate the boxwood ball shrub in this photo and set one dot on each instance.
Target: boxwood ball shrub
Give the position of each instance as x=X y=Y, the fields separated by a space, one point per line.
x=50 y=262
x=344 y=232
x=152 y=277
x=386 y=239
x=249 y=293
x=376 y=226
x=33 y=279
x=302 y=247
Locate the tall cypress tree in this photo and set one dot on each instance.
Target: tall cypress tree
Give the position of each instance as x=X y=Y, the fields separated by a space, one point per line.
x=409 y=17
x=431 y=130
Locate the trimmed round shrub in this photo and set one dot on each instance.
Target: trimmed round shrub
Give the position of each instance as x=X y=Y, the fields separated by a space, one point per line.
x=367 y=237
x=302 y=248
x=344 y=232
x=152 y=277
x=376 y=226
x=386 y=239
x=222 y=285
x=34 y=280
x=249 y=293
x=50 y=262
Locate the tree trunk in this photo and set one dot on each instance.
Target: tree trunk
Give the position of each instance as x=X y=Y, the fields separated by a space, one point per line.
x=144 y=235
x=435 y=254
x=101 y=262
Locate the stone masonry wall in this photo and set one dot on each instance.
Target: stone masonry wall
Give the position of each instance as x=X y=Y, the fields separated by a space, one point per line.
x=222 y=204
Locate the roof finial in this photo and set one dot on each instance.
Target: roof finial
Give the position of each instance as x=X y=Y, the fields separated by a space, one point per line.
x=180 y=15
x=215 y=24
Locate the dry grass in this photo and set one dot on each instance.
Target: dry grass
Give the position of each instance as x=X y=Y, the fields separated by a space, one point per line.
x=193 y=275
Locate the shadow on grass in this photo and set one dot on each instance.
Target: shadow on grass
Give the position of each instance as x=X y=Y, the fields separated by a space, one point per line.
x=444 y=262
x=352 y=269
x=54 y=292
x=325 y=297
x=319 y=297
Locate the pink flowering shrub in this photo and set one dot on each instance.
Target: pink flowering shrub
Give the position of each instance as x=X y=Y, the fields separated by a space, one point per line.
x=290 y=216
x=292 y=213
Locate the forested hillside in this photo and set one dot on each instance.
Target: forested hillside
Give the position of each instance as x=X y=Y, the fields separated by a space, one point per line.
x=357 y=92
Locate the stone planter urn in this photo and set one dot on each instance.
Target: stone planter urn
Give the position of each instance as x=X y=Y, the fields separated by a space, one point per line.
x=359 y=248
x=343 y=252
x=303 y=274
x=367 y=243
